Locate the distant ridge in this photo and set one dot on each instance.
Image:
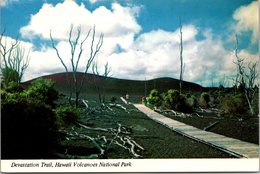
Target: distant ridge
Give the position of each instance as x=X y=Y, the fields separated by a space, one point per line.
x=120 y=86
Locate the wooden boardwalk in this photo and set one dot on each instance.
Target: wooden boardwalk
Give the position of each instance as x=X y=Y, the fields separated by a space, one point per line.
x=232 y=146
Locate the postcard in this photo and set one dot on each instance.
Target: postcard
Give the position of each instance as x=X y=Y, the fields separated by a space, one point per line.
x=129 y=86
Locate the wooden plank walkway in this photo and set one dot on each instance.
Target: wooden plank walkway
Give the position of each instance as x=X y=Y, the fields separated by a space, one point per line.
x=232 y=146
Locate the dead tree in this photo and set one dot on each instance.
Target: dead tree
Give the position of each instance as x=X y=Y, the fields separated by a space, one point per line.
x=100 y=79
x=14 y=57
x=181 y=58
x=246 y=77
x=145 y=86
x=76 y=44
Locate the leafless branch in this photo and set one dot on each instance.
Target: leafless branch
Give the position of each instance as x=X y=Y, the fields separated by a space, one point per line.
x=76 y=44
x=246 y=77
x=14 y=56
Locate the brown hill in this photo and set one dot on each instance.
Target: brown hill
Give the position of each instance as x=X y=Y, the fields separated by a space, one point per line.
x=120 y=86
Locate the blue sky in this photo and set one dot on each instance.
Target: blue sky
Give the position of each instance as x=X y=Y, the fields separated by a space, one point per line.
x=144 y=43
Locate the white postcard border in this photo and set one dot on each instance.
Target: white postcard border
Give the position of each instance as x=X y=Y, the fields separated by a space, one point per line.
x=132 y=165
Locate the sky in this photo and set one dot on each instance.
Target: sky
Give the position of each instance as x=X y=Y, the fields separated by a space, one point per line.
x=141 y=37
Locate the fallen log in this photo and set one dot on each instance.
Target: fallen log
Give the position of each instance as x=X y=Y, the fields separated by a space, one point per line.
x=196 y=114
x=125 y=140
x=122 y=98
x=85 y=102
x=103 y=106
x=102 y=151
x=135 y=143
x=132 y=148
x=118 y=106
x=103 y=144
x=75 y=135
x=93 y=128
x=210 y=126
x=121 y=145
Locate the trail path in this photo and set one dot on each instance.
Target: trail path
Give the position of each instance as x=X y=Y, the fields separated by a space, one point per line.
x=232 y=146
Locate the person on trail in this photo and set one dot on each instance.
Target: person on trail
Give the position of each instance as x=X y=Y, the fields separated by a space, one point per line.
x=143 y=99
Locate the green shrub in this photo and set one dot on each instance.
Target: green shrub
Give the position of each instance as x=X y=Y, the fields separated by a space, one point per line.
x=191 y=101
x=13 y=87
x=174 y=100
x=67 y=115
x=10 y=75
x=154 y=98
x=204 y=99
x=29 y=129
x=233 y=105
x=43 y=90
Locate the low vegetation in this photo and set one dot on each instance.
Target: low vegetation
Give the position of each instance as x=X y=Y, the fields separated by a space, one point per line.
x=41 y=124
x=155 y=98
x=227 y=103
x=221 y=110
x=30 y=124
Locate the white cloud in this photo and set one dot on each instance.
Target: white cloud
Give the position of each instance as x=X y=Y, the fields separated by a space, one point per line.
x=247 y=20
x=116 y=22
x=156 y=54
x=130 y=54
x=58 y=19
x=95 y=1
x=45 y=61
x=7 y=42
x=119 y=26
x=151 y=55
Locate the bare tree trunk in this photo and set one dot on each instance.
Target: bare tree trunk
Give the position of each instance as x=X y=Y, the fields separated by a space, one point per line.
x=181 y=57
x=76 y=85
x=99 y=81
x=65 y=67
x=246 y=78
x=93 y=53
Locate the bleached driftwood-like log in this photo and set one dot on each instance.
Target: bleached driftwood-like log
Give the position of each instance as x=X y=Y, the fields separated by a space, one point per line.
x=76 y=135
x=85 y=102
x=196 y=114
x=93 y=128
x=104 y=106
x=135 y=143
x=132 y=148
x=103 y=144
x=118 y=106
x=210 y=126
x=102 y=151
x=122 y=98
